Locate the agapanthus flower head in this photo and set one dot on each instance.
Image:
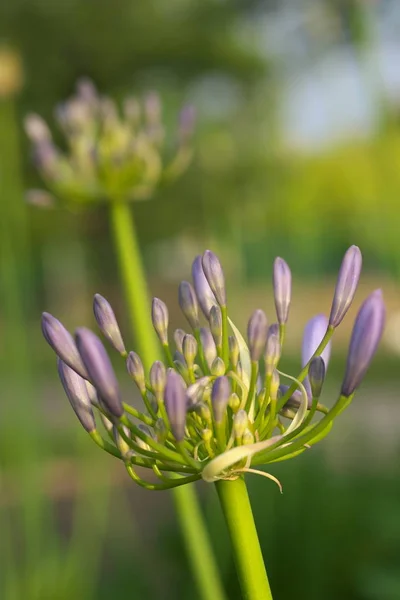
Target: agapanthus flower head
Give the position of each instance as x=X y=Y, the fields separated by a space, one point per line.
x=216 y=407
x=111 y=154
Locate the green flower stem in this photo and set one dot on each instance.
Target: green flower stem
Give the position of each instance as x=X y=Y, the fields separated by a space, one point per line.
x=198 y=546
x=246 y=546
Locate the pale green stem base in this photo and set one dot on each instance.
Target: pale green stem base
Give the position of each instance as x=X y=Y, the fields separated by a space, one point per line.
x=198 y=546
x=246 y=546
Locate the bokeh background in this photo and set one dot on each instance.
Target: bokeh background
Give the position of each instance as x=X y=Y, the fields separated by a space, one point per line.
x=297 y=153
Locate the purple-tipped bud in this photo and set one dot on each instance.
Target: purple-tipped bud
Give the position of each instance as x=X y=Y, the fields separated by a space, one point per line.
x=77 y=393
x=204 y=293
x=188 y=303
x=62 y=343
x=175 y=404
x=215 y=319
x=314 y=332
x=220 y=394
x=215 y=276
x=316 y=376
x=365 y=337
x=160 y=318
x=179 y=334
x=107 y=323
x=272 y=350
x=135 y=369
x=257 y=334
x=233 y=350
x=346 y=285
x=189 y=348
x=218 y=367
x=158 y=377
x=100 y=370
x=208 y=344
x=296 y=398
x=282 y=281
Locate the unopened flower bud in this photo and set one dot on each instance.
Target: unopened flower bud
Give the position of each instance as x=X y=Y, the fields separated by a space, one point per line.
x=179 y=334
x=180 y=365
x=316 y=376
x=135 y=369
x=107 y=323
x=175 y=404
x=365 y=337
x=121 y=444
x=313 y=335
x=234 y=402
x=346 y=285
x=272 y=352
x=233 y=350
x=204 y=293
x=77 y=393
x=215 y=319
x=282 y=281
x=62 y=343
x=140 y=442
x=208 y=344
x=247 y=438
x=215 y=276
x=218 y=367
x=189 y=348
x=160 y=318
x=221 y=391
x=188 y=303
x=158 y=377
x=100 y=370
x=240 y=422
x=257 y=334
x=206 y=434
x=196 y=390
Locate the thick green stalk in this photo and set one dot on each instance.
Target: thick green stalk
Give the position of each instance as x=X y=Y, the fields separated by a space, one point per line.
x=195 y=535
x=249 y=561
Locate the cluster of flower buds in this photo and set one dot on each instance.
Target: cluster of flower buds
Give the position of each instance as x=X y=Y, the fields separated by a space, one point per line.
x=109 y=154
x=216 y=407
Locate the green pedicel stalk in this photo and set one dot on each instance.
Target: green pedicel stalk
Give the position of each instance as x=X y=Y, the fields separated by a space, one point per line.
x=242 y=530
x=196 y=538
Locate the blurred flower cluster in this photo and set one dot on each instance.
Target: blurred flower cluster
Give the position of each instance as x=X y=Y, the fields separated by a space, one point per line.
x=216 y=407
x=108 y=154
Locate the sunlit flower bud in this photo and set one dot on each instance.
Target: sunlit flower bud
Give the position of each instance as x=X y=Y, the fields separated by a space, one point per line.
x=107 y=323
x=161 y=431
x=121 y=444
x=160 y=318
x=221 y=391
x=272 y=351
x=215 y=276
x=233 y=350
x=316 y=376
x=188 y=303
x=282 y=280
x=179 y=334
x=206 y=434
x=314 y=332
x=215 y=319
x=365 y=337
x=257 y=334
x=36 y=129
x=189 y=348
x=100 y=370
x=135 y=369
x=204 y=293
x=234 y=402
x=77 y=393
x=247 y=438
x=274 y=385
x=209 y=347
x=158 y=377
x=62 y=343
x=240 y=422
x=175 y=404
x=346 y=285
x=218 y=367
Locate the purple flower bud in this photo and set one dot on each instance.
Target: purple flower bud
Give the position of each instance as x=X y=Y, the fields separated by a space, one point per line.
x=314 y=332
x=365 y=337
x=316 y=376
x=77 y=393
x=188 y=303
x=273 y=329
x=215 y=276
x=135 y=369
x=257 y=334
x=272 y=350
x=158 y=377
x=282 y=281
x=179 y=334
x=204 y=293
x=107 y=323
x=189 y=348
x=62 y=343
x=99 y=367
x=221 y=391
x=208 y=344
x=215 y=319
x=160 y=318
x=295 y=399
x=346 y=285
x=175 y=404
